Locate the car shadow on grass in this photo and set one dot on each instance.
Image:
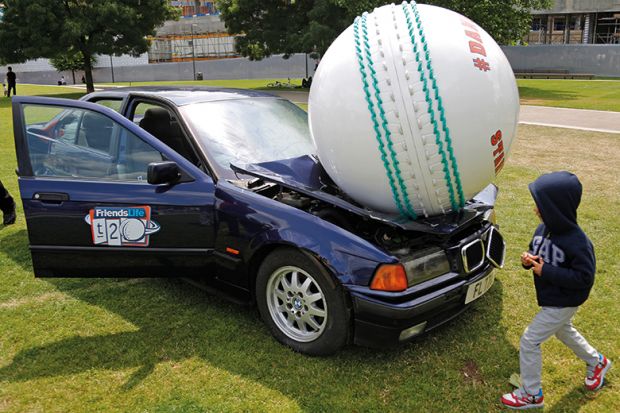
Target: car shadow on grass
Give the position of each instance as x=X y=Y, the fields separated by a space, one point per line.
x=468 y=359
x=15 y=246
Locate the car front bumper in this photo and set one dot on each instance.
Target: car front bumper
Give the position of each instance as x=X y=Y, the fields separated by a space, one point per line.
x=382 y=321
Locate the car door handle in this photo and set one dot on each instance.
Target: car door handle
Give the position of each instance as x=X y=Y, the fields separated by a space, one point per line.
x=51 y=197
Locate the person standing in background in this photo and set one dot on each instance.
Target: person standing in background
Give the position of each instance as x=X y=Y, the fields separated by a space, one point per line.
x=11 y=80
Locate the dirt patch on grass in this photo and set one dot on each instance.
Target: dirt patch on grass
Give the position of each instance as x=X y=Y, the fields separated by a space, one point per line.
x=534 y=102
x=590 y=155
x=471 y=373
x=19 y=302
x=60 y=296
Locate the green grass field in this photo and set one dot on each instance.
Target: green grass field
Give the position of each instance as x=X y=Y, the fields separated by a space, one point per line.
x=160 y=345
x=577 y=94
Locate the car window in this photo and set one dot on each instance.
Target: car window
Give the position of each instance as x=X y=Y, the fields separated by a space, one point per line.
x=83 y=144
x=243 y=131
x=114 y=104
x=140 y=110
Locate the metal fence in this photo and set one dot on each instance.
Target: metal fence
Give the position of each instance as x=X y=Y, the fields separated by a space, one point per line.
x=275 y=67
x=598 y=60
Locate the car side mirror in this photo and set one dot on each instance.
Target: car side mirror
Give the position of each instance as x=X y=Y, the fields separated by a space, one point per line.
x=166 y=172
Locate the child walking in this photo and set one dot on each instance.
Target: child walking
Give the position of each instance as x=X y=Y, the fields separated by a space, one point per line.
x=562 y=259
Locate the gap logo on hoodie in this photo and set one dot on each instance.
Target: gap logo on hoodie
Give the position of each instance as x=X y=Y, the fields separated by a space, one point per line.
x=548 y=251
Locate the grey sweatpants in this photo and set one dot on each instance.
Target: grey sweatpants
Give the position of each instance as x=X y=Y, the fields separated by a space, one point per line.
x=549 y=321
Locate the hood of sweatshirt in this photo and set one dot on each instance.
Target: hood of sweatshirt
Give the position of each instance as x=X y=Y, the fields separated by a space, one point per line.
x=557 y=196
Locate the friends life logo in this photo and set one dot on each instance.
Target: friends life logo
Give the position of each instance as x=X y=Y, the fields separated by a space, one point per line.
x=120 y=227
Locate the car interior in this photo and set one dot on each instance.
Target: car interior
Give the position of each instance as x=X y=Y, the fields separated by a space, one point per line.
x=158 y=122
x=95 y=132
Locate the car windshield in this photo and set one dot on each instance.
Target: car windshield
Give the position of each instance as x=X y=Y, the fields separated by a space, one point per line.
x=247 y=131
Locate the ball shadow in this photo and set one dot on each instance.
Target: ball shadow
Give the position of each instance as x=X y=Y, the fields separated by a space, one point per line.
x=535 y=93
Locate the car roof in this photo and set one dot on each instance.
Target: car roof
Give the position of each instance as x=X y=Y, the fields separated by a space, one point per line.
x=181 y=95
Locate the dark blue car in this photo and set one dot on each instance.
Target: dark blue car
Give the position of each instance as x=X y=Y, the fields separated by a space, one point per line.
x=222 y=187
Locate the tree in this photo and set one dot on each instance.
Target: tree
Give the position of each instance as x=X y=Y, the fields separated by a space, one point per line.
x=46 y=28
x=71 y=60
x=310 y=26
x=506 y=21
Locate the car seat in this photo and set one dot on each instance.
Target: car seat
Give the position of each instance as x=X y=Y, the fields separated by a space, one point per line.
x=157 y=122
x=96 y=131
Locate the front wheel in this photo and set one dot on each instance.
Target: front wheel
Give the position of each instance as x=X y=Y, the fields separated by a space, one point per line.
x=301 y=304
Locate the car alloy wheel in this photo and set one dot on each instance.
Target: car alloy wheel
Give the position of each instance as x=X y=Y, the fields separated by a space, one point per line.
x=302 y=303
x=296 y=303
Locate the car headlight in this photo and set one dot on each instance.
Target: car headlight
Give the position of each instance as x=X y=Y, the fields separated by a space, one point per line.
x=425 y=265
x=489 y=215
x=389 y=277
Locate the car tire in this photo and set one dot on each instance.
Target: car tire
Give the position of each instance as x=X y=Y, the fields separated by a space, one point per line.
x=301 y=303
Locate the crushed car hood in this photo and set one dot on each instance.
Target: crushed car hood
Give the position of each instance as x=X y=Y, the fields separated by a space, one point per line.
x=306 y=175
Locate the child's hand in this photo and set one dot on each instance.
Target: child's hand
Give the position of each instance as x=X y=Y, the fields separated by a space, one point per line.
x=537 y=264
x=526 y=259
x=533 y=261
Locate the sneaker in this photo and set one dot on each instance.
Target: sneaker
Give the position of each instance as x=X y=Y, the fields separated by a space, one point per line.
x=521 y=400
x=596 y=375
x=9 y=217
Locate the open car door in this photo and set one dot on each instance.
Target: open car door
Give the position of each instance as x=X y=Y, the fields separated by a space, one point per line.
x=90 y=211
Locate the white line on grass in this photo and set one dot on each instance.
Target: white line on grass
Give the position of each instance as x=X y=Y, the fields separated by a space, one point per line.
x=554 y=125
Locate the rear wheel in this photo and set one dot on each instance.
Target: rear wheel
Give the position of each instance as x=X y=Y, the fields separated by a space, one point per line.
x=301 y=304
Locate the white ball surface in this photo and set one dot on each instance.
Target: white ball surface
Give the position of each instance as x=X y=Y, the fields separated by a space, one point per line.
x=133 y=229
x=406 y=106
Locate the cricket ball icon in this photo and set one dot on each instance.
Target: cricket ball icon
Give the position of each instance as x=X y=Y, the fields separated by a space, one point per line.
x=134 y=230
x=413 y=110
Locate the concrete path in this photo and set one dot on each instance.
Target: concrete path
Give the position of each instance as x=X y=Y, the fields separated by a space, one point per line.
x=590 y=120
x=295 y=96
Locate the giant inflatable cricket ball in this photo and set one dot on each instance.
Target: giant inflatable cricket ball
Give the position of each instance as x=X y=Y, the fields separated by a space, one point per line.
x=413 y=110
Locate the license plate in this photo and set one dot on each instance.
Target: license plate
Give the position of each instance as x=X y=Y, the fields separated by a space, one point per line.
x=477 y=289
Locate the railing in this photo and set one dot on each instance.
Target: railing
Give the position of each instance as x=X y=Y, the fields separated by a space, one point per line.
x=556 y=37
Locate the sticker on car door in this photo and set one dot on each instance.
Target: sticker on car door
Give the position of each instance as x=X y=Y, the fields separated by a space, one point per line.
x=121 y=226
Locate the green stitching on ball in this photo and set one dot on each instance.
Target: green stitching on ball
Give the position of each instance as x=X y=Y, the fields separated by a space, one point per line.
x=440 y=108
x=360 y=61
x=431 y=111
x=384 y=122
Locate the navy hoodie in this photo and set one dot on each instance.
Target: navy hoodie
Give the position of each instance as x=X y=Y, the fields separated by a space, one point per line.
x=568 y=272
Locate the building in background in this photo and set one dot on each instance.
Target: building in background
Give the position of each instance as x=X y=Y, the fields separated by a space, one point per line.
x=572 y=39
x=200 y=34
x=577 y=22
x=195 y=7
x=192 y=38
